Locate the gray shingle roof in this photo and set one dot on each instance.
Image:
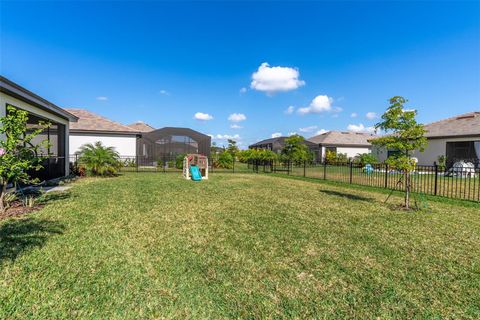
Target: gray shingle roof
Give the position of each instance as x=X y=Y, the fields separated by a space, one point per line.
x=345 y=138
x=466 y=124
x=91 y=122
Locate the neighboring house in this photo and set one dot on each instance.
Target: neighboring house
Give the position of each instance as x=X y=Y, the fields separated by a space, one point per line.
x=349 y=143
x=141 y=126
x=457 y=138
x=57 y=164
x=92 y=127
x=166 y=143
x=277 y=144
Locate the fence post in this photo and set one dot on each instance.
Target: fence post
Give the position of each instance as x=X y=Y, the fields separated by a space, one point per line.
x=136 y=163
x=325 y=169
x=351 y=171
x=77 y=165
x=305 y=168
x=436 y=177
x=386 y=175
x=233 y=164
x=288 y=168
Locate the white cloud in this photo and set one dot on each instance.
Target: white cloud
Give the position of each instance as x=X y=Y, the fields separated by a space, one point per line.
x=102 y=98
x=290 y=110
x=321 y=103
x=237 y=117
x=360 y=128
x=225 y=136
x=371 y=115
x=353 y=115
x=235 y=126
x=276 y=134
x=164 y=92
x=292 y=133
x=321 y=131
x=308 y=129
x=243 y=90
x=203 y=116
x=275 y=79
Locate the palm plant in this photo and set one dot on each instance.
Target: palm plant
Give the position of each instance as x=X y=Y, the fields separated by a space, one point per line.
x=99 y=160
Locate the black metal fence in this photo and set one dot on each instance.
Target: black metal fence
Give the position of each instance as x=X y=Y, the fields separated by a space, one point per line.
x=459 y=183
x=166 y=164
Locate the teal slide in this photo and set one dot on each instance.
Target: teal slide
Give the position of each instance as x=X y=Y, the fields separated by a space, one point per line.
x=195 y=173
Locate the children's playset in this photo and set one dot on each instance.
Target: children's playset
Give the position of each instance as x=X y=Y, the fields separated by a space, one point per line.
x=195 y=167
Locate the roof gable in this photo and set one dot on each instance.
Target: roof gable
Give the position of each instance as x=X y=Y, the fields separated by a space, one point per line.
x=89 y=121
x=141 y=126
x=343 y=138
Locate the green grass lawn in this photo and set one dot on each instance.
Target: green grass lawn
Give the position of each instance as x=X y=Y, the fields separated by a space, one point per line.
x=237 y=246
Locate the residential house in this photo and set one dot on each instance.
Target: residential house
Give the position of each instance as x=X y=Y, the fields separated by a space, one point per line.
x=456 y=138
x=56 y=163
x=92 y=127
x=277 y=144
x=346 y=142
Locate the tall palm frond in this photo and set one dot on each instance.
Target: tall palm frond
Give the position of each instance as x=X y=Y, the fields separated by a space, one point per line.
x=98 y=159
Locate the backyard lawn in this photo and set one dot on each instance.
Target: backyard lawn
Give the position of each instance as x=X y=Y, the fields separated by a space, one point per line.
x=152 y=245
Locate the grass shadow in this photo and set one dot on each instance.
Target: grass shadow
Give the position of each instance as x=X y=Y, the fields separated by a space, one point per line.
x=346 y=195
x=21 y=235
x=53 y=196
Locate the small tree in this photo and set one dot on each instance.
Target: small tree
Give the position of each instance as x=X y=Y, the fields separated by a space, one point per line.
x=295 y=149
x=232 y=148
x=403 y=134
x=18 y=155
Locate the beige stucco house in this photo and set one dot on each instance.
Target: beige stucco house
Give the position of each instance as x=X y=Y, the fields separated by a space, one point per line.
x=457 y=138
x=349 y=143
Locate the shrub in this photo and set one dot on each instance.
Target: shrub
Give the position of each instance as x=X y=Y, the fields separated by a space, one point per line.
x=225 y=160
x=179 y=161
x=99 y=160
x=365 y=158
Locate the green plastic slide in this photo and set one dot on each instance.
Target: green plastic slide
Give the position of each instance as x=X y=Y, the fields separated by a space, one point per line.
x=195 y=173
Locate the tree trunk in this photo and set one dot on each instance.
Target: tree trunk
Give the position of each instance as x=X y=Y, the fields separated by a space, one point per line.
x=407 y=190
x=3 y=191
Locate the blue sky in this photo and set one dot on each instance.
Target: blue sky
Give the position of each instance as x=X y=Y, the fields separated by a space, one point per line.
x=165 y=62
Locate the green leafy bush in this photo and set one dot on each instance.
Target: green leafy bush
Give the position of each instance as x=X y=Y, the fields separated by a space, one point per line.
x=99 y=160
x=365 y=158
x=225 y=160
x=179 y=161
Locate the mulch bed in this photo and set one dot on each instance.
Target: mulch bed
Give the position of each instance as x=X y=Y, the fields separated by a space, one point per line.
x=17 y=209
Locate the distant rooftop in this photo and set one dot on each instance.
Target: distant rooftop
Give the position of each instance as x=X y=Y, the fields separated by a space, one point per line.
x=279 y=141
x=141 y=126
x=89 y=121
x=345 y=138
x=466 y=124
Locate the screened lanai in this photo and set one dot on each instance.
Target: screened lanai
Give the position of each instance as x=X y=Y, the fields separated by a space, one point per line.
x=167 y=143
